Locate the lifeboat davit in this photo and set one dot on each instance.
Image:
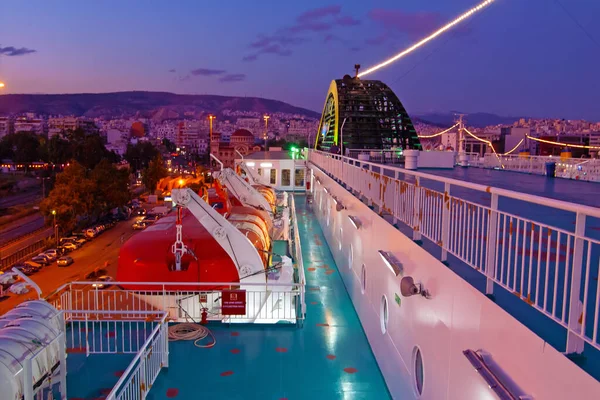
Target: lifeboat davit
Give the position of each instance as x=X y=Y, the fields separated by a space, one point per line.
x=147 y=256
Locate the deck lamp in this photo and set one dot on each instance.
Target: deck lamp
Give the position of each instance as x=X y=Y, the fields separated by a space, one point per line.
x=392 y=262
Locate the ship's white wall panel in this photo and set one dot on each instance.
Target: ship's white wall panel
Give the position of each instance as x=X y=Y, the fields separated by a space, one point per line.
x=458 y=317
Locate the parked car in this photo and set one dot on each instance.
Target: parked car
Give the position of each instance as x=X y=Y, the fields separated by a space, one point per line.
x=47 y=256
x=140 y=211
x=34 y=264
x=41 y=260
x=53 y=253
x=26 y=269
x=65 y=261
x=70 y=246
x=103 y=282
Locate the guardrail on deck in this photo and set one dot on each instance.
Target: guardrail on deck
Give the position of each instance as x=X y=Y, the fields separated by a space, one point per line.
x=584 y=169
x=297 y=253
x=549 y=268
x=264 y=303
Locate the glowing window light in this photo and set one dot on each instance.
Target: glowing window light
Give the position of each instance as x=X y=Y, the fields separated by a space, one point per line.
x=266 y=165
x=250 y=164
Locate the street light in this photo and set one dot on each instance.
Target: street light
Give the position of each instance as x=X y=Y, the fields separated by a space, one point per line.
x=2 y=85
x=181 y=182
x=55 y=228
x=266 y=118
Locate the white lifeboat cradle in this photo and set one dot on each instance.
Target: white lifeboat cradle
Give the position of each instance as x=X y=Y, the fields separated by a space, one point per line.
x=270 y=298
x=32 y=349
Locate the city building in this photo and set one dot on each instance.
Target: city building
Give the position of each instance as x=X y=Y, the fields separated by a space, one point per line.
x=30 y=123
x=7 y=126
x=241 y=141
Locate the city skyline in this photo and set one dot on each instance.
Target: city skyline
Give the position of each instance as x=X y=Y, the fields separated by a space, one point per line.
x=521 y=59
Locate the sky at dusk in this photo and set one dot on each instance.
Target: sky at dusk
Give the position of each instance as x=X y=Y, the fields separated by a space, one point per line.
x=529 y=58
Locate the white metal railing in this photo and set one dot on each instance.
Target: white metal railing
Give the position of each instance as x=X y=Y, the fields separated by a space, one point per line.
x=297 y=252
x=153 y=355
x=264 y=303
x=95 y=331
x=585 y=169
x=377 y=155
x=550 y=268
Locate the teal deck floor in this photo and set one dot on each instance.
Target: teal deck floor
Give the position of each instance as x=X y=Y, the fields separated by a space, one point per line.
x=328 y=358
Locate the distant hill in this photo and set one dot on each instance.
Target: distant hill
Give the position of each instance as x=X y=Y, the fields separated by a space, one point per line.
x=478 y=120
x=156 y=105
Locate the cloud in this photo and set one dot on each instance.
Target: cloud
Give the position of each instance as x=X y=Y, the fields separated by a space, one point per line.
x=13 y=51
x=184 y=78
x=347 y=21
x=413 y=24
x=233 y=78
x=207 y=72
x=318 y=20
x=172 y=70
x=355 y=49
x=250 y=57
x=318 y=13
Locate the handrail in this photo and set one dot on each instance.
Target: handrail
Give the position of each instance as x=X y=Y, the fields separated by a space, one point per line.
x=545 y=201
x=124 y=376
x=298 y=254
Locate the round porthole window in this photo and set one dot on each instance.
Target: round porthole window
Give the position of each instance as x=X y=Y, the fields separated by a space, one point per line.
x=419 y=370
x=350 y=257
x=383 y=314
x=340 y=240
x=363 y=279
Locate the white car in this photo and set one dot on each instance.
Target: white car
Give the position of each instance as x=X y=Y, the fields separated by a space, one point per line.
x=52 y=253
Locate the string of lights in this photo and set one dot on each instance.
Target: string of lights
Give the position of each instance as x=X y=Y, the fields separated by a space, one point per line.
x=429 y=38
x=437 y=134
x=486 y=142
x=578 y=146
x=514 y=148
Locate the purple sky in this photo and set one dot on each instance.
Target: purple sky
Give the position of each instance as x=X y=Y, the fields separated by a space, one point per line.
x=515 y=58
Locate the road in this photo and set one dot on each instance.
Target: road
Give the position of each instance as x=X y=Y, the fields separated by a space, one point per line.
x=21 y=227
x=91 y=256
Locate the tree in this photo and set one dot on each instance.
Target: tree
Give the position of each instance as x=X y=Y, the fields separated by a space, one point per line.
x=154 y=173
x=21 y=147
x=170 y=146
x=72 y=198
x=140 y=155
x=59 y=150
x=111 y=189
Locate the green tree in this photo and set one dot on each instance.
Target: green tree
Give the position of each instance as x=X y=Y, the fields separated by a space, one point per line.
x=170 y=146
x=88 y=148
x=59 y=150
x=110 y=186
x=139 y=155
x=154 y=173
x=21 y=147
x=72 y=198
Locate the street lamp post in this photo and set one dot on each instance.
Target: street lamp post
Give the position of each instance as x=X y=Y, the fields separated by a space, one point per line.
x=266 y=118
x=55 y=228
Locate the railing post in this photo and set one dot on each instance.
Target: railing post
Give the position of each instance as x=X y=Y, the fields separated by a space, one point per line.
x=417 y=211
x=574 y=342
x=445 y=223
x=396 y=196
x=490 y=262
x=63 y=365
x=165 y=334
x=143 y=386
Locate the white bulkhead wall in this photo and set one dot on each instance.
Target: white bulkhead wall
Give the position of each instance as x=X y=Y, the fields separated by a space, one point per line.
x=456 y=318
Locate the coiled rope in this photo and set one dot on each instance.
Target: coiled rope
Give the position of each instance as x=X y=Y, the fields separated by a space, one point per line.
x=190 y=331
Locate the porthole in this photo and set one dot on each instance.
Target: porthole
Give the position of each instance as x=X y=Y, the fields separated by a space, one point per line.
x=340 y=240
x=363 y=279
x=383 y=314
x=350 y=257
x=419 y=372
